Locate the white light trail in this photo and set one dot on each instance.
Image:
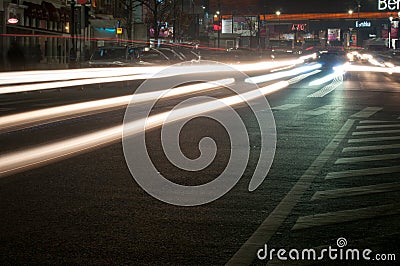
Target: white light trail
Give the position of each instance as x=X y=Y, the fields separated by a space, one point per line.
x=55 y=113
x=303 y=76
x=43 y=80
x=37 y=156
x=279 y=75
x=266 y=65
x=356 y=68
x=19 y=77
x=8 y=78
x=338 y=71
x=68 y=83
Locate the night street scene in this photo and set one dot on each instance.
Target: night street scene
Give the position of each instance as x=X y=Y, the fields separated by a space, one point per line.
x=199 y=132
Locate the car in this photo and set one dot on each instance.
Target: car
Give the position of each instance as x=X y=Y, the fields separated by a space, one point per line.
x=331 y=58
x=114 y=56
x=153 y=56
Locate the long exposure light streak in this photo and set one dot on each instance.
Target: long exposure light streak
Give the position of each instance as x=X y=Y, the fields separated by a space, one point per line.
x=85 y=74
x=282 y=74
x=21 y=120
x=356 y=68
x=68 y=83
x=37 y=156
x=338 y=71
x=18 y=77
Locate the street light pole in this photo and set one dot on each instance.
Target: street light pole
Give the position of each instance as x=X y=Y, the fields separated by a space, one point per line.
x=358 y=19
x=72 y=29
x=219 y=22
x=278 y=13
x=218 y=27
x=390 y=31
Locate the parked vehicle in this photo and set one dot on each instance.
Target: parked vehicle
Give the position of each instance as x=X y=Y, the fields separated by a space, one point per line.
x=152 y=56
x=115 y=56
x=155 y=56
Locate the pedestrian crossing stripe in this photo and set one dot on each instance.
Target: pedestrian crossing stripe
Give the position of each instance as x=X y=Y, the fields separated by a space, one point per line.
x=331 y=218
x=367 y=112
x=355 y=191
x=363 y=172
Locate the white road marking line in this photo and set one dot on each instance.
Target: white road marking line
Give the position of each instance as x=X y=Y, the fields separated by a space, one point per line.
x=362 y=172
x=376 y=132
x=377 y=126
x=330 y=218
x=327 y=89
x=367 y=112
x=377 y=121
x=285 y=107
x=373 y=139
x=355 y=191
x=371 y=148
x=247 y=252
x=368 y=158
x=321 y=110
x=303 y=76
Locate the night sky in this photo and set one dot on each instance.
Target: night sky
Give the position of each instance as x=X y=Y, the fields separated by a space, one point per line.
x=307 y=6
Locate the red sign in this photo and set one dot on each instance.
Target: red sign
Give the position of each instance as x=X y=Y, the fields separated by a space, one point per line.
x=217 y=27
x=12 y=20
x=299 y=27
x=82 y=2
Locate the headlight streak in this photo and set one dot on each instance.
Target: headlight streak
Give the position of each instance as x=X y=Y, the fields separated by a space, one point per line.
x=303 y=76
x=266 y=65
x=64 y=84
x=34 y=157
x=8 y=78
x=279 y=75
x=18 y=77
x=22 y=120
x=52 y=79
x=338 y=71
x=282 y=68
x=355 y=68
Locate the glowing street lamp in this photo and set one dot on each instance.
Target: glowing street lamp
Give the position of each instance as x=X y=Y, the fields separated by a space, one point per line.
x=390 y=32
x=278 y=13
x=217 y=17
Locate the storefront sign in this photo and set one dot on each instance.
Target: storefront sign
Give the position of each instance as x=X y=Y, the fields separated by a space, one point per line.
x=363 y=24
x=391 y=5
x=333 y=34
x=299 y=27
x=12 y=20
x=227 y=25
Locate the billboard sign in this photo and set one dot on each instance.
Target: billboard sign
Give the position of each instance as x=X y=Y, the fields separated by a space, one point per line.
x=333 y=34
x=388 y=5
x=227 y=25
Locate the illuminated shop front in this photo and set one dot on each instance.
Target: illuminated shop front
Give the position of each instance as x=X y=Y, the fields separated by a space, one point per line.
x=38 y=29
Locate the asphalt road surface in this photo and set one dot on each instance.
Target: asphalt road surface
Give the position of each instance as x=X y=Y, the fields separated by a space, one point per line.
x=333 y=181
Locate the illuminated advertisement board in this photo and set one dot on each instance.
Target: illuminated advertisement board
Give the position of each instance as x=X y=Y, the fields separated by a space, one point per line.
x=227 y=25
x=333 y=34
x=389 y=5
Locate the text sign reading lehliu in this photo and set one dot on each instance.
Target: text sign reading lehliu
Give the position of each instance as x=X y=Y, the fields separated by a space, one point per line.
x=363 y=24
x=390 y=5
